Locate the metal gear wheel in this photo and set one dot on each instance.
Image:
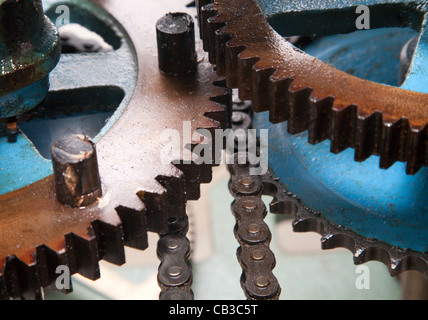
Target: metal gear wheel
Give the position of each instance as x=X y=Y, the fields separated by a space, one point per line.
x=140 y=193
x=372 y=118
x=312 y=96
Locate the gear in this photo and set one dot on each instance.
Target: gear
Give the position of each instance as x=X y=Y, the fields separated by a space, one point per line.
x=372 y=118
x=334 y=236
x=140 y=192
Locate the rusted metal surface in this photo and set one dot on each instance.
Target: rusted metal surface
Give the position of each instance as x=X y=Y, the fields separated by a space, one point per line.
x=311 y=95
x=140 y=193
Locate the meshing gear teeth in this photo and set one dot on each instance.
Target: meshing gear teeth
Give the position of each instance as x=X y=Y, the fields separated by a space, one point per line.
x=373 y=119
x=333 y=236
x=258 y=261
x=141 y=192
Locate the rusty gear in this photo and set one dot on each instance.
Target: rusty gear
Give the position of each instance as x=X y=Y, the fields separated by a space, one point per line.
x=372 y=118
x=141 y=192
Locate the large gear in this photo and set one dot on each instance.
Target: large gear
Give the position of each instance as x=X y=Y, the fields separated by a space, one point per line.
x=141 y=192
x=329 y=104
x=372 y=118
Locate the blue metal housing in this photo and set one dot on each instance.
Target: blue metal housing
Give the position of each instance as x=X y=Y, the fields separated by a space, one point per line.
x=387 y=205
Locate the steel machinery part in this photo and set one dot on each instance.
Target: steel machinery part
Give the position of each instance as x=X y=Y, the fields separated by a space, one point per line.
x=258 y=261
x=140 y=191
x=386 y=220
x=245 y=40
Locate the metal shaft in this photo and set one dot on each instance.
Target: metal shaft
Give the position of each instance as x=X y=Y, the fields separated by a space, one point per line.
x=75 y=165
x=176 y=44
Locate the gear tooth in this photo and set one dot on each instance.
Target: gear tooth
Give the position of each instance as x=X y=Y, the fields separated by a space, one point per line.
x=280 y=100
x=401 y=262
x=192 y=174
x=260 y=88
x=417 y=150
x=373 y=253
x=280 y=204
x=233 y=50
x=110 y=241
x=391 y=150
x=223 y=98
x=300 y=105
x=208 y=11
x=424 y=147
x=22 y=280
x=174 y=203
x=368 y=136
x=222 y=37
x=82 y=255
x=320 y=124
x=245 y=70
x=303 y=224
x=343 y=125
x=199 y=5
x=48 y=261
x=216 y=42
x=134 y=225
x=206 y=175
x=337 y=239
x=3 y=288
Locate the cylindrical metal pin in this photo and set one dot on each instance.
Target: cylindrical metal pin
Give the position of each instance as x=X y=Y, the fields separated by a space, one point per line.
x=176 y=44
x=75 y=165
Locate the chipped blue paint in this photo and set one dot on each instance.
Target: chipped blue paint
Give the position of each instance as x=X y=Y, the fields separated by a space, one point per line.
x=20 y=164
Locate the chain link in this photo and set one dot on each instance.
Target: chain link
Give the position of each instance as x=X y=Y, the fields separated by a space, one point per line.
x=252 y=233
x=175 y=271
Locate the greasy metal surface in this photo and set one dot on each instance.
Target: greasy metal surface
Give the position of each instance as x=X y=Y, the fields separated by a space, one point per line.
x=351 y=112
x=136 y=184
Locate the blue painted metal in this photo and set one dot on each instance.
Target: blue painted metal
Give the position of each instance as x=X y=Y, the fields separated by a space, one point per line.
x=330 y=17
x=384 y=204
x=417 y=78
x=23 y=100
x=387 y=205
x=20 y=163
x=364 y=52
x=88 y=93
x=28 y=51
